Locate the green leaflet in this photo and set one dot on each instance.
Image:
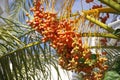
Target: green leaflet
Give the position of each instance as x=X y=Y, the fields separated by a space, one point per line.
x=117 y=32
x=111 y=75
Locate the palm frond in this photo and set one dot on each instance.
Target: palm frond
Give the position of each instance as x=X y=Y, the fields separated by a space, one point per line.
x=31 y=57
x=22 y=54
x=113 y=56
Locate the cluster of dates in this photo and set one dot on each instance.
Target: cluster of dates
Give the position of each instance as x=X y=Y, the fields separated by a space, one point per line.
x=73 y=54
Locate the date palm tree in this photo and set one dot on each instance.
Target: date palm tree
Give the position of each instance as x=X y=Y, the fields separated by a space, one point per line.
x=23 y=55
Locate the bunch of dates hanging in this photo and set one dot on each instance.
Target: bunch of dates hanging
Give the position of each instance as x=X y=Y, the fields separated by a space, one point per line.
x=73 y=54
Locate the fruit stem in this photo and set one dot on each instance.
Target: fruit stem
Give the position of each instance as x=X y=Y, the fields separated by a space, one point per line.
x=112 y=4
x=110 y=47
x=100 y=10
x=102 y=25
x=106 y=35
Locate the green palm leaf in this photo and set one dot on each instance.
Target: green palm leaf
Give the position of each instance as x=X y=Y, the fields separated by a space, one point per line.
x=22 y=54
